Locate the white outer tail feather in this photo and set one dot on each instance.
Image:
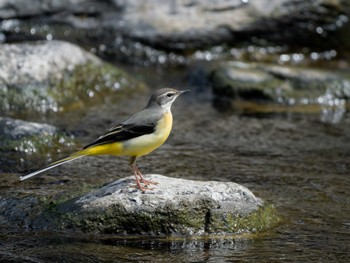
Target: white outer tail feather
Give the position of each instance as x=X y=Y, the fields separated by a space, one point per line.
x=50 y=166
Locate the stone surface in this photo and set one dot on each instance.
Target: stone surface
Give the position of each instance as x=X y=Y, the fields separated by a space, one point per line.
x=182 y=24
x=18 y=138
x=174 y=206
x=280 y=84
x=20 y=8
x=34 y=63
x=146 y=29
x=17 y=129
x=51 y=75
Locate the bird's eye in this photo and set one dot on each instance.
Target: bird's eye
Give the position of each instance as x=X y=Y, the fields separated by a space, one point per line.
x=169 y=95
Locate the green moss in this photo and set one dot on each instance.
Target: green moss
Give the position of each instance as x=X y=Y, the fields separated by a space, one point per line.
x=179 y=222
x=115 y=220
x=91 y=81
x=88 y=83
x=19 y=99
x=51 y=214
x=261 y=220
x=163 y=221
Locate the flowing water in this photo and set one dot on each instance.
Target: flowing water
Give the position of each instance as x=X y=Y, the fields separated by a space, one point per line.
x=289 y=158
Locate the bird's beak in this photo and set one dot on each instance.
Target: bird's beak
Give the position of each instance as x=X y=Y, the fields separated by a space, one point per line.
x=183 y=91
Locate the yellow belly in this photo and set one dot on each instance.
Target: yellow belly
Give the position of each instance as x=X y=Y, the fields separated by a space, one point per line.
x=145 y=144
x=105 y=149
x=138 y=146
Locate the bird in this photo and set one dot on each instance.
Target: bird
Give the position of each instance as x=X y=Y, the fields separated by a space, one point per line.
x=137 y=136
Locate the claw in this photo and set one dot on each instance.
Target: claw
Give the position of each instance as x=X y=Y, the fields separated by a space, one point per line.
x=143 y=180
x=147 y=182
x=138 y=174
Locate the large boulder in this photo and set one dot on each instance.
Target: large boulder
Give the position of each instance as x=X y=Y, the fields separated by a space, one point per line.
x=173 y=206
x=184 y=24
x=52 y=75
x=281 y=85
x=151 y=29
x=19 y=8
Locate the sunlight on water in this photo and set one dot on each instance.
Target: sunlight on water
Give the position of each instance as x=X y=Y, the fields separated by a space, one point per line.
x=294 y=162
x=333 y=109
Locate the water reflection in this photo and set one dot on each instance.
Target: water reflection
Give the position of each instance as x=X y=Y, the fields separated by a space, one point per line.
x=56 y=247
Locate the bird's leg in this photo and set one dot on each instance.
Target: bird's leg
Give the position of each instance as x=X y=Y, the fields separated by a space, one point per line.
x=143 y=180
x=136 y=172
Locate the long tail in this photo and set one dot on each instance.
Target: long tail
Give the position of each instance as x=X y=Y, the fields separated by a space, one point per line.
x=55 y=164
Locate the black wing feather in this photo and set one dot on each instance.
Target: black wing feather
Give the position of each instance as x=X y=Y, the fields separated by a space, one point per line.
x=141 y=123
x=123 y=132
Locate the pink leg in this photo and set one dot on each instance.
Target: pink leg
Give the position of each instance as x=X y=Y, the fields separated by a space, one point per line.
x=143 y=180
x=138 y=185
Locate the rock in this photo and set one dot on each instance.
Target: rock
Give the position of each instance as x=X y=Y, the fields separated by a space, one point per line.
x=21 y=138
x=33 y=63
x=17 y=129
x=50 y=75
x=17 y=209
x=17 y=9
x=279 y=84
x=154 y=30
x=241 y=80
x=174 y=206
x=183 y=24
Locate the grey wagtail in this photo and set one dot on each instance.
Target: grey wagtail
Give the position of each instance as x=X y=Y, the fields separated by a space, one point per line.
x=139 y=135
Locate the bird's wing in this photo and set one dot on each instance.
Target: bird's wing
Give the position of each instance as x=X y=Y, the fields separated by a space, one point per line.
x=144 y=122
x=123 y=132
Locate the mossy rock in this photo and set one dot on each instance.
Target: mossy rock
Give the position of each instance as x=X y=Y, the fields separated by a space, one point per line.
x=175 y=207
x=30 y=140
x=54 y=76
x=240 y=82
x=281 y=85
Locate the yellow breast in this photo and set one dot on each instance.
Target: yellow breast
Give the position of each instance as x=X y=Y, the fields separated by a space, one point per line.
x=164 y=126
x=147 y=143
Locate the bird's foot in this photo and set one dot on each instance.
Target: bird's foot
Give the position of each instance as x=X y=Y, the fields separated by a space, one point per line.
x=144 y=181
x=140 y=180
x=147 y=182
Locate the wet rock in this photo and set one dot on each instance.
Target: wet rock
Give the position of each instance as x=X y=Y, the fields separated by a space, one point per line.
x=20 y=138
x=174 y=206
x=50 y=75
x=16 y=129
x=183 y=24
x=155 y=29
x=17 y=209
x=18 y=9
x=279 y=84
x=239 y=80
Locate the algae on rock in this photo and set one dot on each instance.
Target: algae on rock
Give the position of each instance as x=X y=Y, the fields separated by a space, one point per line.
x=51 y=75
x=265 y=84
x=174 y=207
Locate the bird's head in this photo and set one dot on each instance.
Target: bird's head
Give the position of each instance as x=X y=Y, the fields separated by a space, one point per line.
x=165 y=97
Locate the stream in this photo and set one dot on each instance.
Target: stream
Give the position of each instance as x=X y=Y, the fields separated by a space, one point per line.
x=289 y=158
